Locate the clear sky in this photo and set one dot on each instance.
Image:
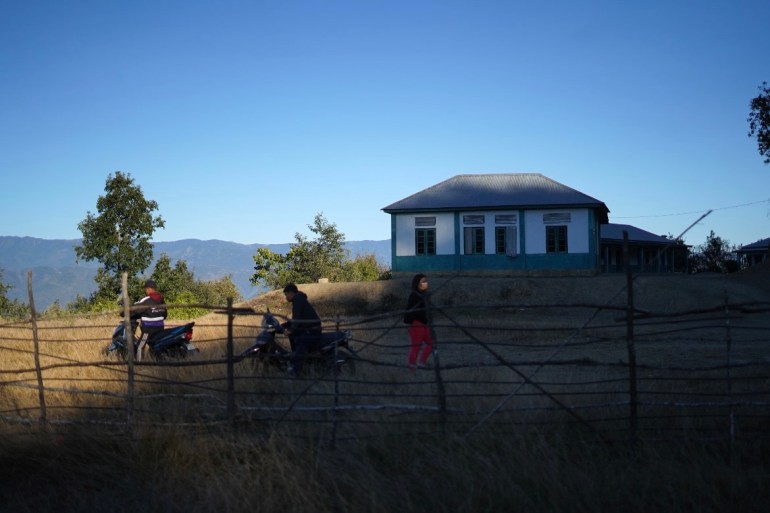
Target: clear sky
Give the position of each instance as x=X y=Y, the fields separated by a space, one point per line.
x=243 y=120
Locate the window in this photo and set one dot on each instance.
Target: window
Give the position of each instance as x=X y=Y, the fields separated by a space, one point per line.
x=505 y=219
x=505 y=236
x=505 y=240
x=558 y=218
x=425 y=241
x=556 y=239
x=474 y=241
x=473 y=219
x=425 y=221
x=473 y=235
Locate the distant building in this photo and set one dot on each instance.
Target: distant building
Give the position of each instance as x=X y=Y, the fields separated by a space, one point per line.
x=647 y=252
x=754 y=253
x=517 y=221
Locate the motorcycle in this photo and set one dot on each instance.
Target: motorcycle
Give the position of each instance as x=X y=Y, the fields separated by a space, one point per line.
x=331 y=353
x=173 y=342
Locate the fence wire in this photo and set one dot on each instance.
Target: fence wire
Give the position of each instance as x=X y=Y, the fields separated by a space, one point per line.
x=701 y=373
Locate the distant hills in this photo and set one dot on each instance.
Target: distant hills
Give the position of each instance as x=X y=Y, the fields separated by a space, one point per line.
x=57 y=276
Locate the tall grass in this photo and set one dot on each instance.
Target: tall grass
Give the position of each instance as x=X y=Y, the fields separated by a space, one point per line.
x=244 y=470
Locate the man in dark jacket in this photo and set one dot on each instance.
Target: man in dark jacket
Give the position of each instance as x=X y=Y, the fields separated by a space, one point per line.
x=151 y=314
x=304 y=328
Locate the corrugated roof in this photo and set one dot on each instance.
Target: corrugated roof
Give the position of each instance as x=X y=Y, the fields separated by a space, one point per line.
x=510 y=190
x=760 y=245
x=613 y=231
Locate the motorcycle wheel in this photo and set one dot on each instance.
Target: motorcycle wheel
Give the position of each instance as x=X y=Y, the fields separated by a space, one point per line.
x=182 y=352
x=119 y=353
x=346 y=365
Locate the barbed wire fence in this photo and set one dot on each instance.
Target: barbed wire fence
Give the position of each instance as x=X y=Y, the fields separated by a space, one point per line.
x=608 y=371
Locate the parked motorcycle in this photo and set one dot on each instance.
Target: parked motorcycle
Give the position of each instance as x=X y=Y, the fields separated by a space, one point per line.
x=173 y=342
x=331 y=353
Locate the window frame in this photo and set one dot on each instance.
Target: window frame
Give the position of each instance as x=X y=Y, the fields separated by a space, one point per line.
x=473 y=240
x=556 y=239
x=428 y=241
x=505 y=240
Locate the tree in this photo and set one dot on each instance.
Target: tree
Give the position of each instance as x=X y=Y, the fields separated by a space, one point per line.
x=179 y=286
x=8 y=308
x=759 y=121
x=715 y=255
x=364 y=268
x=119 y=236
x=310 y=259
x=172 y=281
x=270 y=268
x=322 y=257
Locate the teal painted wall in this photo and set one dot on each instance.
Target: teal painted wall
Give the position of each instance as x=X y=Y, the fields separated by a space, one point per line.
x=492 y=262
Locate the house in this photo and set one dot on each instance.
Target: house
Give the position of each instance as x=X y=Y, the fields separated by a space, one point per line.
x=647 y=252
x=495 y=222
x=754 y=253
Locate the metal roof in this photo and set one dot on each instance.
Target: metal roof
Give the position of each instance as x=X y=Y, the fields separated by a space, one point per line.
x=760 y=245
x=613 y=231
x=496 y=191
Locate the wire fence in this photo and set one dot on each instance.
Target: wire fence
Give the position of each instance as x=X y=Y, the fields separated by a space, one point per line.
x=609 y=371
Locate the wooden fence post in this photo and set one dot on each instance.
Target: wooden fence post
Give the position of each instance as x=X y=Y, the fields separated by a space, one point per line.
x=729 y=341
x=336 y=387
x=36 y=347
x=230 y=363
x=632 y=390
x=436 y=366
x=129 y=332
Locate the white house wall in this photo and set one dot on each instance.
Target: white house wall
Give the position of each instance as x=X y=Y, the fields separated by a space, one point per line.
x=532 y=221
x=577 y=228
x=445 y=233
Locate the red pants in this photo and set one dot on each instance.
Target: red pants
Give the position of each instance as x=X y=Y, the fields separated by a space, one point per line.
x=419 y=334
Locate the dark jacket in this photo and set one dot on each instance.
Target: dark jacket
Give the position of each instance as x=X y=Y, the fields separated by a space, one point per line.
x=304 y=318
x=153 y=312
x=415 y=307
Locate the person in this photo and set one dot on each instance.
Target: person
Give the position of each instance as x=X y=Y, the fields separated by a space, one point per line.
x=304 y=328
x=416 y=316
x=151 y=315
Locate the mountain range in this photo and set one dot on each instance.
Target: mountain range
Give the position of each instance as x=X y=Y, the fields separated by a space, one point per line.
x=56 y=274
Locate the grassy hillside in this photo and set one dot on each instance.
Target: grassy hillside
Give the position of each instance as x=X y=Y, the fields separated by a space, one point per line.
x=656 y=293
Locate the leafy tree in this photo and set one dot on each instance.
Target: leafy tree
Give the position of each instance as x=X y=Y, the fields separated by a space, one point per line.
x=11 y=308
x=310 y=259
x=715 y=255
x=322 y=257
x=364 y=268
x=270 y=268
x=119 y=236
x=179 y=286
x=759 y=121
x=216 y=292
x=172 y=281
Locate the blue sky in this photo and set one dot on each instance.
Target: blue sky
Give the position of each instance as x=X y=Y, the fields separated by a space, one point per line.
x=243 y=120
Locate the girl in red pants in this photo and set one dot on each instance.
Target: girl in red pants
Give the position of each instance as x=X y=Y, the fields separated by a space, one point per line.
x=416 y=317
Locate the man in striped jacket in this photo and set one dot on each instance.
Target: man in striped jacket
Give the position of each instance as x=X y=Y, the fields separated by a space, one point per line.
x=151 y=314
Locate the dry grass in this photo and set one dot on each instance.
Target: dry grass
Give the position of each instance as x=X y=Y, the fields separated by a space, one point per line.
x=383 y=460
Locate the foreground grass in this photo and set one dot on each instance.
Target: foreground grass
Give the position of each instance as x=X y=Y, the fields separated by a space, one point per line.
x=232 y=471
